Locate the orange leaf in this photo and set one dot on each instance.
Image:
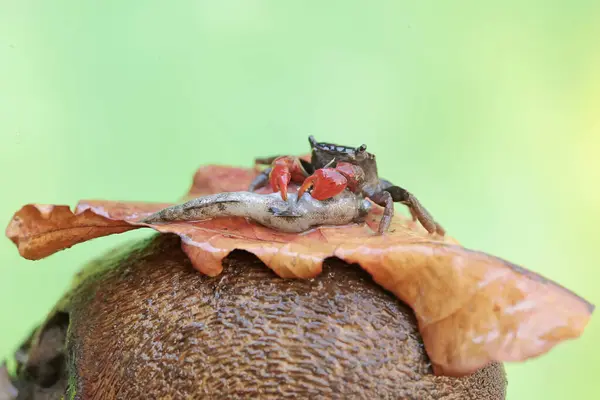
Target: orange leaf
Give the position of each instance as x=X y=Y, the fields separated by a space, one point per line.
x=472 y=308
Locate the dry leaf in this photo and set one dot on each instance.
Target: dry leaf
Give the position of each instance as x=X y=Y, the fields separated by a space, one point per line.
x=472 y=308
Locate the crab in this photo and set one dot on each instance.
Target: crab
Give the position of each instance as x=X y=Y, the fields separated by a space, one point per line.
x=334 y=169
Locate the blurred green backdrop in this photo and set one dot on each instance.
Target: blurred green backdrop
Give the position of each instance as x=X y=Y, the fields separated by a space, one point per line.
x=488 y=112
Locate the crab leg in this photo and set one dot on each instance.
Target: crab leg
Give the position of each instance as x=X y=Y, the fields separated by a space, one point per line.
x=417 y=210
x=385 y=200
x=268 y=209
x=260 y=181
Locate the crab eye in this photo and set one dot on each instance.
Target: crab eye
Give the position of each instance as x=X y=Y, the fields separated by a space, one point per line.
x=362 y=148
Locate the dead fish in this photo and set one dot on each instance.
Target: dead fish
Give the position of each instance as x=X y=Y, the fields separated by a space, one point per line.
x=270 y=210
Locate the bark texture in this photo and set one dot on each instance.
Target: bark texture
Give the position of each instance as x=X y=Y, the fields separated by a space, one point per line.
x=141 y=323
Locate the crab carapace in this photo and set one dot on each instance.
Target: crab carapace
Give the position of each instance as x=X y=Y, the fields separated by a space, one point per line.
x=334 y=168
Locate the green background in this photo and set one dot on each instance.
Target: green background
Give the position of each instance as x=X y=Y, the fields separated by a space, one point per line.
x=487 y=111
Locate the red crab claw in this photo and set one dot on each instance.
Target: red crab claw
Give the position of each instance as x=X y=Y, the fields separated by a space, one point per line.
x=353 y=174
x=284 y=169
x=325 y=183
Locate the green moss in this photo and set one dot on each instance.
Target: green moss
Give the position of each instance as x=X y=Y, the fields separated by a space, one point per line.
x=71 y=385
